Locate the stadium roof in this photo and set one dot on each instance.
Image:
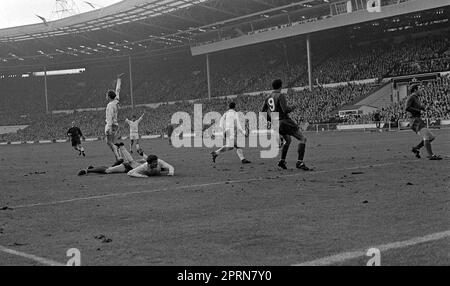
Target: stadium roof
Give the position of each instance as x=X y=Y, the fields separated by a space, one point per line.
x=132 y=27
x=152 y=27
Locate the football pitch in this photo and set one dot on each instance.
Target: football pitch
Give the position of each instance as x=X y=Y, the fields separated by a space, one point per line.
x=366 y=191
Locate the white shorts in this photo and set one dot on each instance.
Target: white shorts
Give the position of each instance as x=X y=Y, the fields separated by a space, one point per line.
x=134 y=136
x=426 y=134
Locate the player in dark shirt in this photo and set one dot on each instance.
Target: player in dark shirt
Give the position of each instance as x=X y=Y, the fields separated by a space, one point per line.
x=276 y=103
x=75 y=136
x=414 y=108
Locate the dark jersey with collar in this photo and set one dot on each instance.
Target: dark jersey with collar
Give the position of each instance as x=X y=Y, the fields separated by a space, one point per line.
x=74 y=133
x=276 y=102
x=414 y=106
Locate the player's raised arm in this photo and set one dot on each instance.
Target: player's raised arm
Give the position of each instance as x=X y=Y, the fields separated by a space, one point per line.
x=142 y=117
x=166 y=166
x=118 y=86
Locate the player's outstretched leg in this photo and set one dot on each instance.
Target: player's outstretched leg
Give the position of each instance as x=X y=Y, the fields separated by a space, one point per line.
x=216 y=153
x=125 y=155
x=93 y=170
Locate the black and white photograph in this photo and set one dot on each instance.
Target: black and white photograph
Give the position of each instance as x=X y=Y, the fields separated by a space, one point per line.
x=217 y=140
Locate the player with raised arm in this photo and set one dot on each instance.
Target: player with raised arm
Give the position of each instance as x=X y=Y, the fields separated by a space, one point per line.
x=231 y=125
x=75 y=135
x=414 y=108
x=276 y=102
x=112 y=124
x=134 y=131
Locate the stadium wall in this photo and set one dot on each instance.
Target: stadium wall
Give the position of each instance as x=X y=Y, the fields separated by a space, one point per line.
x=11 y=129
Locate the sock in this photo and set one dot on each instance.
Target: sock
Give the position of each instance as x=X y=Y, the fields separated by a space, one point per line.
x=428 y=147
x=240 y=153
x=138 y=146
x=284 y=151
x=301 y=151
x=223 y=150
x=421 y=144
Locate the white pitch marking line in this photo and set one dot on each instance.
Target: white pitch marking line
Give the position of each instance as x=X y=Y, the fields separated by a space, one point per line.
x=341 y=257
x=197 y=186
x=35 y=258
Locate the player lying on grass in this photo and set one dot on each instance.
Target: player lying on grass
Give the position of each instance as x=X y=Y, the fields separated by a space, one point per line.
x=152 y=167
x=414 y=108
x=129 y=164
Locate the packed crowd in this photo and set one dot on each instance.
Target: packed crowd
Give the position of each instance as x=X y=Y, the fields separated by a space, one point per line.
x=436 y=100
x=182 y=77
x=318 y=106
x=248 y=69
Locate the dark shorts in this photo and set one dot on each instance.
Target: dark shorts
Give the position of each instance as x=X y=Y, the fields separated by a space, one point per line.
x=288 y=127
x=76 y=142
x=127 y=167
x=417 y=124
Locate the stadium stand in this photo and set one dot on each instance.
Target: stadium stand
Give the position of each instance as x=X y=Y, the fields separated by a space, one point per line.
x=317 y=106
x=178 y=76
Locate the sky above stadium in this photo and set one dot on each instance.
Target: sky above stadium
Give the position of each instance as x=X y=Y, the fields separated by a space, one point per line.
x=23 y=12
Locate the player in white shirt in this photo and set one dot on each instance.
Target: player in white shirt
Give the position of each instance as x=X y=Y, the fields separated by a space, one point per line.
x=134 y=131
x=153 y=167
x=112 y=125
x=230 y=125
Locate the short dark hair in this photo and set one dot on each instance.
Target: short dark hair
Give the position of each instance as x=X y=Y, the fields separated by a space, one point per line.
x=277 y=84
x=232 y=105
x=413 y=88
x=152 y=158
x=111 y=94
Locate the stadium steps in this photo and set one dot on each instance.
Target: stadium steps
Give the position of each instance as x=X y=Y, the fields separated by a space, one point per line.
x=381 y=98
